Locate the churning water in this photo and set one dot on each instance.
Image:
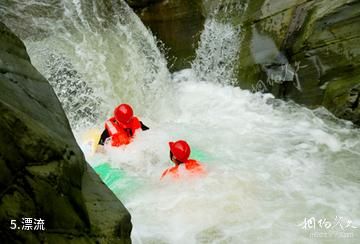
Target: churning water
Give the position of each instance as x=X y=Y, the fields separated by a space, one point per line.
x=270 y=163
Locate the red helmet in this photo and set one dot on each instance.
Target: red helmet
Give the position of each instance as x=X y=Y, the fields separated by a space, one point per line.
x=123 y=113
x=180 y=149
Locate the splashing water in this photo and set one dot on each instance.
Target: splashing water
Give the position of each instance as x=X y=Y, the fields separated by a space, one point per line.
x=270 y=163
x=217 y=53
x=106 y=45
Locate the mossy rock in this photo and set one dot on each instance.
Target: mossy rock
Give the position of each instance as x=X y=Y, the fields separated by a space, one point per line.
x=43 y=170
x=342 y=96
x=317 y=40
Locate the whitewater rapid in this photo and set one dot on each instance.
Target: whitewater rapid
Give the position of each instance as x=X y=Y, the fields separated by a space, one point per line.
x=271 y=164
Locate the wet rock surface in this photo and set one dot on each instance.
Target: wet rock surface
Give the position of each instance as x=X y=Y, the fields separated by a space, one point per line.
x=177 y=24
x=307 y=51
x=43 y=173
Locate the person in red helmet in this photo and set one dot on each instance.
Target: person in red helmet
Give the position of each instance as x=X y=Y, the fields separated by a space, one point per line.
x=179 y=155
x=121 y=127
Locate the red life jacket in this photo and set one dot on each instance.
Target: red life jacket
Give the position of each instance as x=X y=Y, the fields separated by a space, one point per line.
x=120 y=133
x=191 y=167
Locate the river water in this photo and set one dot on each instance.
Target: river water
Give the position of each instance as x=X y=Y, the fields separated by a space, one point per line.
x=271 y=164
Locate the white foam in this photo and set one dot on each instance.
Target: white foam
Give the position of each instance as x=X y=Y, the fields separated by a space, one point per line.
x=268 y=168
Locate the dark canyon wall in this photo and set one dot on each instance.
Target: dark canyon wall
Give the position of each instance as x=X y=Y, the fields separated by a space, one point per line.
x=43 y=173
x=178 y=24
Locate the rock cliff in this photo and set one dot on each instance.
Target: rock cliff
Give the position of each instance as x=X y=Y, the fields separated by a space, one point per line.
x=43 y=173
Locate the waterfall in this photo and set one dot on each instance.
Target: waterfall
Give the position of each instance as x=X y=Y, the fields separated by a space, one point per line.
x=102 y=46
